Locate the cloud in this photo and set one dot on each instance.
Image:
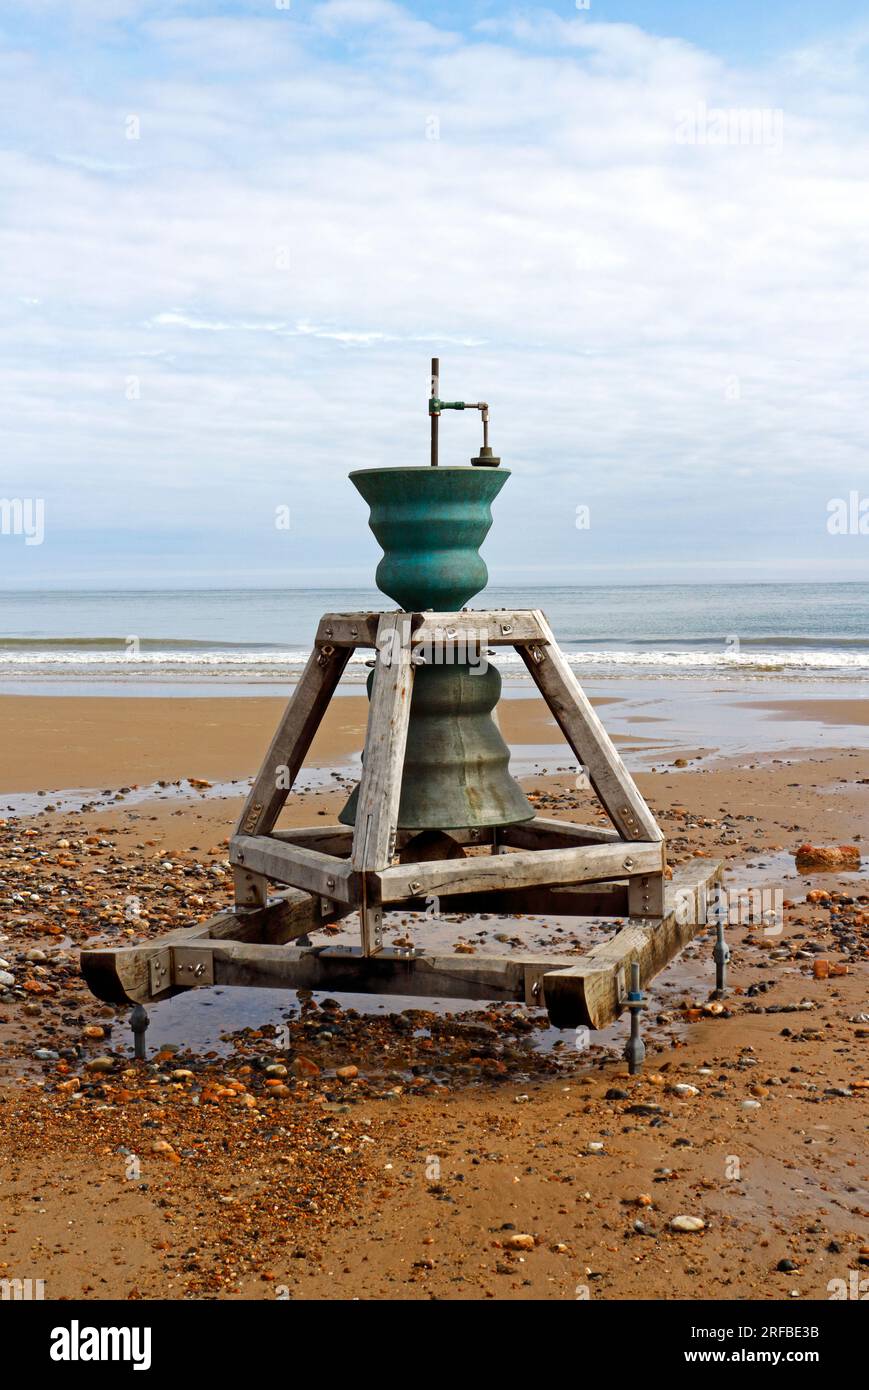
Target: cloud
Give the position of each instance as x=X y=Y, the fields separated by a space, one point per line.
x=311 y=202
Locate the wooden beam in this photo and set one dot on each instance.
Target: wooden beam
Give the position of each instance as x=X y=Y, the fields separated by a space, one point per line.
x=545 y=833
x=293 y=738
x=489 y=627
x=595 y=900
x=293 y=864
x=376 y=827
x=593 y=990
x=385 y=740
x=328 y=839
x=580 y=864
x=497 y=627
x=338 y=839
x=612 y=783
x=122 y=974
x=390 y=971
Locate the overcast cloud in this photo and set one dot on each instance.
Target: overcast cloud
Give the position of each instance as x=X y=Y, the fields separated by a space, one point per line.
x=231 y=237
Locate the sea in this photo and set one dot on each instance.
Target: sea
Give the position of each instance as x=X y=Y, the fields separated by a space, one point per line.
x=255 y=640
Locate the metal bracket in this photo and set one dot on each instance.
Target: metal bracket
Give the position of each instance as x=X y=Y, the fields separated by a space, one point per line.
x=192 y=965
x=160 y=971
x=252 y=818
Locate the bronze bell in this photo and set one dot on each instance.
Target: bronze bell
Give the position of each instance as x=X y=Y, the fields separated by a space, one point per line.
x=456 y=762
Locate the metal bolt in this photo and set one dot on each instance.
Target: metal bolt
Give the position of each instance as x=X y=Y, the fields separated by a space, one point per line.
x=628 y=863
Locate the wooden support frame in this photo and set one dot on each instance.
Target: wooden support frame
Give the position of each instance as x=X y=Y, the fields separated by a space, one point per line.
x=589 y=990
x=542 y=865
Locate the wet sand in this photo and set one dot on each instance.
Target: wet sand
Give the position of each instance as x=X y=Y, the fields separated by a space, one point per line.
x=51 y=742
x=93 y=742
x=410 y=1178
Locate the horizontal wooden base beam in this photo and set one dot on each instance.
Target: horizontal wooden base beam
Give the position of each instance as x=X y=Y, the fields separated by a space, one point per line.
x=390 y=972
x=123 y=974
x=593 y=990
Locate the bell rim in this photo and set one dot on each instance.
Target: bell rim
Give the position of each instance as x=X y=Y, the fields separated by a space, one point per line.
x=428 y=470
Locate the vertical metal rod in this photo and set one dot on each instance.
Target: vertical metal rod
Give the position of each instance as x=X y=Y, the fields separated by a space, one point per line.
x=635 y=1051
x=139 y=1021
x=435 y=392
x=721 y=955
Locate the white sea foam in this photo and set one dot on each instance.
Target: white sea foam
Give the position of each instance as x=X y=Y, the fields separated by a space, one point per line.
x=259 y=664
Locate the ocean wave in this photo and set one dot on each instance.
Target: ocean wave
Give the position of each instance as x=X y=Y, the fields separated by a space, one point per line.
x=230 y=662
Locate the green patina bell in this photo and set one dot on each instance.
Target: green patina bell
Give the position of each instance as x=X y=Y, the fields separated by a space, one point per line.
x=431 y=523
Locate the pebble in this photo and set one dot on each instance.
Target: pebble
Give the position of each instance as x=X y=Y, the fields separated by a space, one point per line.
x=687 y=1224
x=100 y=1064
x=750 y=1105
x=6 y=978
x=520 y=1241
x=682 y=1089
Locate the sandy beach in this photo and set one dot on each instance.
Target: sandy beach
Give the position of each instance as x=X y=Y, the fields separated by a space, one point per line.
x=358 y=1148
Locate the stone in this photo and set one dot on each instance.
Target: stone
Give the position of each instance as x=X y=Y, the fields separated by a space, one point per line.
x=347 y=1073
x=687 y=1224
x=520 y=1241
x=683 y=1089
x=101 y=1064
x=6 y=978
x=827 y=857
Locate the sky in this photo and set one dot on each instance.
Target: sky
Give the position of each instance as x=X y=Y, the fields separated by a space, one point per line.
x=233 y=234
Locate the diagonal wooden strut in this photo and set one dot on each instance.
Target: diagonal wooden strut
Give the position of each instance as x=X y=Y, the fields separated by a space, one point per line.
x=299 y=723
x=613 y=784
